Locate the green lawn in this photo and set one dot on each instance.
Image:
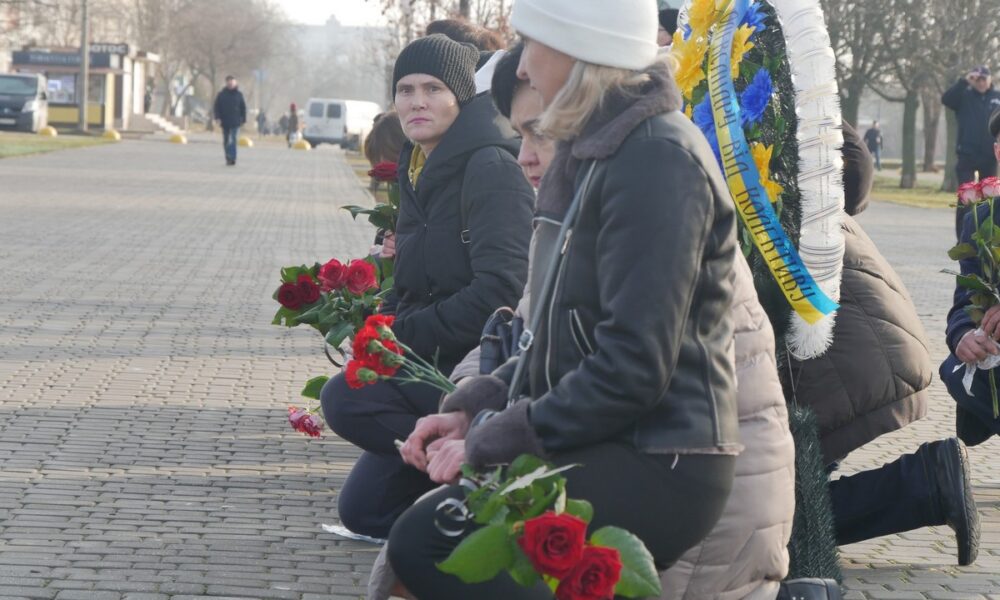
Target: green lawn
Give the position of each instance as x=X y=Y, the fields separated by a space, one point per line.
x=21 y=144
x=926 y=193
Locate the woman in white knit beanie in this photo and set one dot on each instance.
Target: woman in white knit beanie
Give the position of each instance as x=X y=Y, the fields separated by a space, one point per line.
x=640 y=393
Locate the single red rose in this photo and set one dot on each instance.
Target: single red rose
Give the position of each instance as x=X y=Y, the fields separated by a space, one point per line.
x=305 y=422
x=594 y=577
x=385 y=171
x=308 y=289
x=361 y=276
x=290 y=296
x=554 y=543
x=332 y=275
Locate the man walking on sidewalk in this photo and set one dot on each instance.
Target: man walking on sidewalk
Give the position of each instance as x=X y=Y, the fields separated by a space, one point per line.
x=231 y=112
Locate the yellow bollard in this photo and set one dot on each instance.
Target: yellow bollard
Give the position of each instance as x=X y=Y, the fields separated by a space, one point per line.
x=48 y=131
x=178 y=138
x=245 y=142
x=302 y=145
x=111 y=134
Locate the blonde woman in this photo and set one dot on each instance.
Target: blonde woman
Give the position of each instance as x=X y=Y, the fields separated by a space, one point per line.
x=640 y=392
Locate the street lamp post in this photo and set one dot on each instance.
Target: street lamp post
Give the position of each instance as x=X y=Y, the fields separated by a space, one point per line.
x=84 y=84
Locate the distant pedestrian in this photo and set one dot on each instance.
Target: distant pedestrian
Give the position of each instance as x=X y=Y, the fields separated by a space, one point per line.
x=873 y=139
x=261 y=124
x=283 y=125
x=973 y=99
x=231 y=113
x=293 y=124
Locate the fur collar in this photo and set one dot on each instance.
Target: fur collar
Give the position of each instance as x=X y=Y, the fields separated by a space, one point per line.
x=603 y=134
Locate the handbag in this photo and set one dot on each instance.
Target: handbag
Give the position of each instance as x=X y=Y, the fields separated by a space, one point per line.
x=498 y=343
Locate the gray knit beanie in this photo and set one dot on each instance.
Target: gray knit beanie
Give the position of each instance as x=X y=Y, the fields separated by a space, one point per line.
x=439 y=56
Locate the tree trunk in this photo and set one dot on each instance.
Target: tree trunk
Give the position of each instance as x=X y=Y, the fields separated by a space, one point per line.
x=465 y=9
x=932 y=118
x=851 y=103
x=910 y=107
x=950 y=183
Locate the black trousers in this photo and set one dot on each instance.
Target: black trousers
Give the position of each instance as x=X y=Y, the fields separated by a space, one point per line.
x=966 y=170
x=975 y=423
x=671 y=507
x=896 y=497
x=381 y=486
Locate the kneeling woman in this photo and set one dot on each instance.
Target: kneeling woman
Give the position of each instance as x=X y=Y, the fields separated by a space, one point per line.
x=631 y=373
x=461 y=253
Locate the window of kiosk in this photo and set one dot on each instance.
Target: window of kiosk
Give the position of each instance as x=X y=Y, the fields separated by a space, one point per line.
x=62 y=89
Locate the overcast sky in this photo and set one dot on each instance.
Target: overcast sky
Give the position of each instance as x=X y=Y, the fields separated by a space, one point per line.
x=348 y=12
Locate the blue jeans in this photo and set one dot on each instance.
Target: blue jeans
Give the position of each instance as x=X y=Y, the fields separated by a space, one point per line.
x=230 y=137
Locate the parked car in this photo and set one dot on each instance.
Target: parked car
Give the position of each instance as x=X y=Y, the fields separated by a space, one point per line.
x=343 y=122
x=24 y=103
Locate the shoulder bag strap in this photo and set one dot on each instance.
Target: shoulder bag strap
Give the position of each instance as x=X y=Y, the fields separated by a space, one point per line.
x=562 y=244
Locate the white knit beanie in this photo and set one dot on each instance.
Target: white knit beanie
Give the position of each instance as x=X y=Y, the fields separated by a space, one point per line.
x=612 y=33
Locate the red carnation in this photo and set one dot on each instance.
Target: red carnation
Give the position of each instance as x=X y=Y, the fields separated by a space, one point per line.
x=358 y=374
x=290 y=296
x=554 y=543
x=361 y=276
x=594 y=577
x=308 y=289
x=384 y=171
x=332 y=275
x=362 y=340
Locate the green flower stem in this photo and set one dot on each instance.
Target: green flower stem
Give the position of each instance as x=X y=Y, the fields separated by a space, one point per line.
x=993 y=392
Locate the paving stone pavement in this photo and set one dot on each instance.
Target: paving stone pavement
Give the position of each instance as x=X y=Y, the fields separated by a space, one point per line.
x=144 y=447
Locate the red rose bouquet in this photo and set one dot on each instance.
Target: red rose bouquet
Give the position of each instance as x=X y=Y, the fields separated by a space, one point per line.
x=985 y=286
x=333 y=298
x=529 y=528
x=382 y=216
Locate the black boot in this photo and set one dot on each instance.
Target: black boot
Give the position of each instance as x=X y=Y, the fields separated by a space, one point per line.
x=948 y=462
x=809 y=589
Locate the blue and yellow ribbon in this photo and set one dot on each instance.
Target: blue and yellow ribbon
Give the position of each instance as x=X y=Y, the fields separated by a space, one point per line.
x=783 y=260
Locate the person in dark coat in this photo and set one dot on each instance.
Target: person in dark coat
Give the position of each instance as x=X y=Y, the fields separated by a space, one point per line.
x=873 y=140
x=293 y=124
x=974 y=99
x=231 y=113
x=631 y=373
x=873 y=380
x=668 y=25
x=461 y=253
x=969 y=343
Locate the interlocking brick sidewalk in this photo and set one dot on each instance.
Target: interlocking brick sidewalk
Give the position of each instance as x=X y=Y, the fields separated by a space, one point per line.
x=144 y=447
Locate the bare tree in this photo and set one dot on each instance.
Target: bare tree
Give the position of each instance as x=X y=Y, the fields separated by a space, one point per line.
x=962 y=39
x=856 y=28
x=907 y=45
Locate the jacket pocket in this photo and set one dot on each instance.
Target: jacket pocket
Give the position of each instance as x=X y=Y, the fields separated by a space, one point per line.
x=579 y=333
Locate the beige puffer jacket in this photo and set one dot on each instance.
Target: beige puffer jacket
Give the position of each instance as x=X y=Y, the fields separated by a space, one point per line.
x=745 y=556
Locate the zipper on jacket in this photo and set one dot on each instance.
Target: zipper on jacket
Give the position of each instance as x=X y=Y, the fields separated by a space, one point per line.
x=579 y=333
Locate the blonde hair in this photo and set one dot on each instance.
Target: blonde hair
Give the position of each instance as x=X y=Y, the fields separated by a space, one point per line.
x=584 y=92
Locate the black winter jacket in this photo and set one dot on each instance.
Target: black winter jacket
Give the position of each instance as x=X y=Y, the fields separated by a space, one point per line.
x=444 y=289
x=973 y=111
x=230 y=108
x=636 y=342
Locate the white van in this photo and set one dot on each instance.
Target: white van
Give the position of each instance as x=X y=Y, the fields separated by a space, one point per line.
x=343 y=122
